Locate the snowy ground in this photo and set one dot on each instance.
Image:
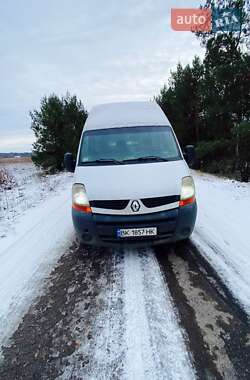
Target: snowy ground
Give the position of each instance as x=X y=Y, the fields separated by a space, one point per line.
x=223 y=231
x=31 y=187
x=35 y=229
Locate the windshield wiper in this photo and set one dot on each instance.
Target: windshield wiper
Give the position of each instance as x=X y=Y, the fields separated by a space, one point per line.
x=102 y=161
x=148 y=158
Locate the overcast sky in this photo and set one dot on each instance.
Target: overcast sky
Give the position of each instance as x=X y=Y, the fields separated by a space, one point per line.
x=102 y=51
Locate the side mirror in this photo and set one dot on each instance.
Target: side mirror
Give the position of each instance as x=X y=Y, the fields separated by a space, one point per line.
x=189 y=155
x=69 y=162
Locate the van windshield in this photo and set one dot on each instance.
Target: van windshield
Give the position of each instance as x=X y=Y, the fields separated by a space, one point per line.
x=117 y=146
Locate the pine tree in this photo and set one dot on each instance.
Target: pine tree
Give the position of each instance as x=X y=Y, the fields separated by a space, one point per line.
x=182 y=101
x=57 y=126
x=237 y=38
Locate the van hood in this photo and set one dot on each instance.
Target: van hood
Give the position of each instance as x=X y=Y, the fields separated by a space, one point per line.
x=134 y=181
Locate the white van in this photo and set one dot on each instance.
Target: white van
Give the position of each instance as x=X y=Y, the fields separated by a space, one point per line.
x=131 y=182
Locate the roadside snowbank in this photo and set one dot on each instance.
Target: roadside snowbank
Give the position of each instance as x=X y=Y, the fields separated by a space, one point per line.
x=223 y=231
x=29 y=248
x=30 y=188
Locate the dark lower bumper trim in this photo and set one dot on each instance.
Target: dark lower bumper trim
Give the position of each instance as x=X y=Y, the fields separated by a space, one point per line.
x=172 y=225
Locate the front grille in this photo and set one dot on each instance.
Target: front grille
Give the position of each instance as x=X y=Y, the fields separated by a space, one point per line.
x=110 y=205
x=124 y=224
x=160 y=201
x=122 y=204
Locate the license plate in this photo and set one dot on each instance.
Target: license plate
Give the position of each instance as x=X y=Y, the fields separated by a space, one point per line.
x=136 y=232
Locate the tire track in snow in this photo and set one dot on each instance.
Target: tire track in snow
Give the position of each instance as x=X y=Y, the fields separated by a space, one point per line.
x=103 y=349
x=218 y=331
x=56 y=335
x=154 y=340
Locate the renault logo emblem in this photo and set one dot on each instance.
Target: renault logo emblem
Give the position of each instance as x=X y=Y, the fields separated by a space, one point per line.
x=135 y=206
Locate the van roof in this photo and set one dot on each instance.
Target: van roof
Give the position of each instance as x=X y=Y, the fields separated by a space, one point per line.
x=125 y=114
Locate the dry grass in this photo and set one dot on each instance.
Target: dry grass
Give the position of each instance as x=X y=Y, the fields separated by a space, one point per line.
x=7 y=181
x=15 y=160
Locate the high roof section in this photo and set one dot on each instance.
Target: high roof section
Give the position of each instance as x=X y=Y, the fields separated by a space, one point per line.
x=125 y=114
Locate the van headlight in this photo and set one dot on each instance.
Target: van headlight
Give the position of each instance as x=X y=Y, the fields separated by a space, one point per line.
x=187 y=191
x=80 y=200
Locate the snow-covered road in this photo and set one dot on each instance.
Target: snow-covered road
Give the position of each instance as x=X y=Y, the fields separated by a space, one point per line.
x=152 y=344
x=131 y=314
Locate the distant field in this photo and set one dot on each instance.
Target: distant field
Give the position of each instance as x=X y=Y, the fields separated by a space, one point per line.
x=14 y=160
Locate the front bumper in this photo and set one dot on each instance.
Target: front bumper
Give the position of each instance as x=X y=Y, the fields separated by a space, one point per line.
x=101 y=230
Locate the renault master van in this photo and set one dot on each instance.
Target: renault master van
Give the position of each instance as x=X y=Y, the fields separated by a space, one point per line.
x=131 y=182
